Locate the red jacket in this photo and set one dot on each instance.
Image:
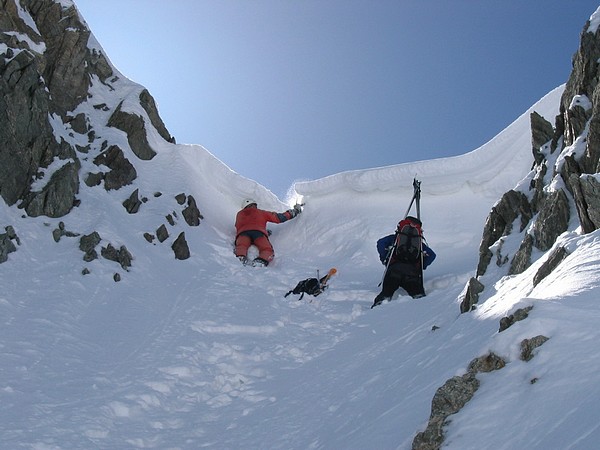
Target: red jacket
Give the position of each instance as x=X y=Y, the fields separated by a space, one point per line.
x=251 y=218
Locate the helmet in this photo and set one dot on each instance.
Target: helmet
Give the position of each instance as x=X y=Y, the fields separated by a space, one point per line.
x=247 y=202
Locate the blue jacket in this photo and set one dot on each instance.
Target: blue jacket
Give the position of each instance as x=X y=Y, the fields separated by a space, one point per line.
x=384 y=244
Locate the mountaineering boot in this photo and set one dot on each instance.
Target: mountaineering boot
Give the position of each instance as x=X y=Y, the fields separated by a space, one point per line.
x=378 y=300
x=243 y=259
x=260 y=262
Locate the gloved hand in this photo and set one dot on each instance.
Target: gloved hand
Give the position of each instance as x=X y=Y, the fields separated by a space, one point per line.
x=297 y=209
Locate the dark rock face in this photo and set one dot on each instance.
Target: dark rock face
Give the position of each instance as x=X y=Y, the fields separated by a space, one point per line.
x=552 y=220
x=61 y=231
x=563 y=178
x=6 y=243
x=180 y=247
x=517 y=316
x=133 y=203
x=541 y=133
x=556 y=257
x=474 y=288
x=191 y=213
x=566 y=164
x=43 y=79
x=161 y=233
x=122 y=171
x=459 y=390
x=67 y=60
x=522 y=259
x=529 y=345
x=448 y=400
x=56 y=102
x=451 y=398
x=23 y=115
x=147 y=102
x=135 y=128
x=35 y=84
x=588 y=204
x=580 y=106
x=87 y=244
x=57 y=198
x=500 y=222
x=121 y=256
x=582 y=81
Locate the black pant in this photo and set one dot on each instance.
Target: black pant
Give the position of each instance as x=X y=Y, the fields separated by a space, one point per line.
x=402 y=275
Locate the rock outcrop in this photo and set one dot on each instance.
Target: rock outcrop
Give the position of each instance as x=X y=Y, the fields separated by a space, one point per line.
x=47 y=67
x=67 y=116
x=451 y=398
x=7 y=243
x=564 y=178
x=456 y=392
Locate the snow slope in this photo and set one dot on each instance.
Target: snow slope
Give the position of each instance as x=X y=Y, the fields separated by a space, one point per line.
x=206 y=353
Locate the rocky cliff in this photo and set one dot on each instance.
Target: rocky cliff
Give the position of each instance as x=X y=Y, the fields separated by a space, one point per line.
x=523 y=226
x=564 y=178
x=48 y=66
x=53 y=76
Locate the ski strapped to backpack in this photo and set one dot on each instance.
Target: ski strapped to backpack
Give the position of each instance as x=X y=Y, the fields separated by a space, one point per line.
x=411 y=238
x=312 y=286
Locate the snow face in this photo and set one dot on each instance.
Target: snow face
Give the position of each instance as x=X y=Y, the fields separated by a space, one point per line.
x=26 y=17
x=594 y=22
x=208 y=353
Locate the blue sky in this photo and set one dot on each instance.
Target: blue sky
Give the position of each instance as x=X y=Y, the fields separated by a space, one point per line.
x=297 y=90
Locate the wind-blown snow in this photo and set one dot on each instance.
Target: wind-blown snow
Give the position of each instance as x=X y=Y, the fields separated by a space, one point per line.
x=594 y=22
x=206 y=353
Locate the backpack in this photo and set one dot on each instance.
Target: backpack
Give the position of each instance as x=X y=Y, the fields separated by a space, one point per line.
x=409 y=236
x=312 y=286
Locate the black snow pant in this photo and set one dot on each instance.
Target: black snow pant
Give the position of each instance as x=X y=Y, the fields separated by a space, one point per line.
x=401 y=275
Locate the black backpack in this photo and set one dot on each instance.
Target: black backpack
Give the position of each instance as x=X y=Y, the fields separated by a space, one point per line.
x=408 y=241
x=312 y=286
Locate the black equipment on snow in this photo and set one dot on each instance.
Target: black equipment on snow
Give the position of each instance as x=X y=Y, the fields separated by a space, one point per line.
x=312 y=286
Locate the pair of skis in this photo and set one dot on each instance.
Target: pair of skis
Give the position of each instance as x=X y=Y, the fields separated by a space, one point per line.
x=416 y=200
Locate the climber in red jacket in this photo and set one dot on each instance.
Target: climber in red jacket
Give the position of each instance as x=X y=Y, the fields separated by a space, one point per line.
x=251 y=229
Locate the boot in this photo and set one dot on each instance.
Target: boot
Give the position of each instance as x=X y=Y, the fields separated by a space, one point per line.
x=379 y=300
x=259 y=262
